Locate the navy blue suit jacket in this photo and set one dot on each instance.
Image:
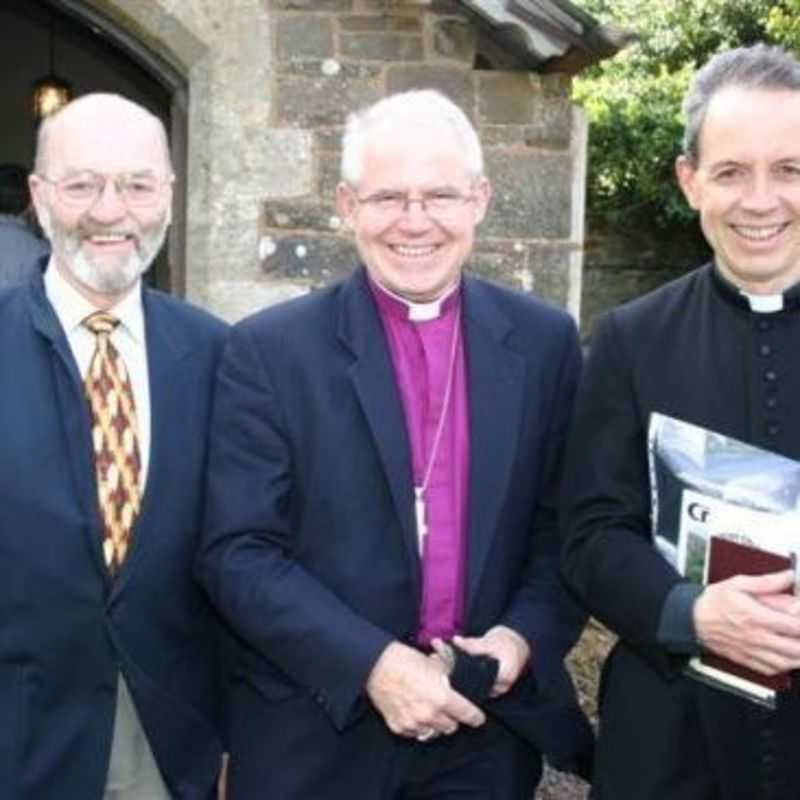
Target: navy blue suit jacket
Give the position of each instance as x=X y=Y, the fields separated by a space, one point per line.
x=65 y=627
x=310 y=548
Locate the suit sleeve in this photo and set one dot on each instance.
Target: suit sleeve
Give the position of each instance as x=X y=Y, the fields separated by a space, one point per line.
x=609 y=558
x=542 y=609
x=246 y=562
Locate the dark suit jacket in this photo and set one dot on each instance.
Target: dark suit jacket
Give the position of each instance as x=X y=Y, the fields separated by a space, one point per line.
x=695 y=351
x=20 y=249
x=65 y=627
x=310 y=549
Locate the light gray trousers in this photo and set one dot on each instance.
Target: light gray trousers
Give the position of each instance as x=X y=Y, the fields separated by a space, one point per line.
x=132 y=771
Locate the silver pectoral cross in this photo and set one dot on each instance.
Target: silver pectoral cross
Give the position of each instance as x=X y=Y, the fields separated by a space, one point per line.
x=419 y=516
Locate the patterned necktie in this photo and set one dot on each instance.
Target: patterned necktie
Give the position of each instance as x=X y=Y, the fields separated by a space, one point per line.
x=114 y=440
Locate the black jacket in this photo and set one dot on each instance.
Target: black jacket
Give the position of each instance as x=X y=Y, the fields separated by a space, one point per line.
x=694 y=350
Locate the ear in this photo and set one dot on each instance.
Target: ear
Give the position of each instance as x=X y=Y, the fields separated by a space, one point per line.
x=483 y=195
x=687 y=179
x=170 y=202
x=346 y=203
x=38 y=187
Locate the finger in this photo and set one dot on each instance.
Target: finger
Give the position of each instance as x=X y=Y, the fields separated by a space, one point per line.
x=499 y=689
x=787 y=603
x=449 y=730
x=765 y=652
x=444 y=724
x=767 y=662
x=725 y=612
x=473 y=645
x=439 y=663
x=445 y=655
x=462 y=711
x=776 y=622
x=772 y=583
x=783 y=647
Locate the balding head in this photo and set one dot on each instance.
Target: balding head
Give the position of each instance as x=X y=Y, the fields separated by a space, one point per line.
x=101 y=118
x=103 y=191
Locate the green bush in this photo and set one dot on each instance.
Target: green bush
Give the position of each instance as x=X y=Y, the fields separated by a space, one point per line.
x=633 y=101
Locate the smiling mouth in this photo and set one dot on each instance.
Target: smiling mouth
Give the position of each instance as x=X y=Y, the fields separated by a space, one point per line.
x=414 y=251
x=760 y=233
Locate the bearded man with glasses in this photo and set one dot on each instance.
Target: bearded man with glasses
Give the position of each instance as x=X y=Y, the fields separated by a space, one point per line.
x=108 y=684
x=381 y=527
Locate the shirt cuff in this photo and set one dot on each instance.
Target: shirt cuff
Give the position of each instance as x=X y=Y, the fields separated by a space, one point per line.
x=676 y=627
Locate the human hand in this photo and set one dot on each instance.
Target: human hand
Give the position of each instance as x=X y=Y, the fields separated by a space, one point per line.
x=414 y=697
x=751 y=620
x=507 y=646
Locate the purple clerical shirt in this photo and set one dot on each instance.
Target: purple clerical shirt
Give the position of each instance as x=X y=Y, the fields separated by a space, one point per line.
x=421 y=351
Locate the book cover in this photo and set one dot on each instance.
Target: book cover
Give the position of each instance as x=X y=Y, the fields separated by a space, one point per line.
x=727 y=558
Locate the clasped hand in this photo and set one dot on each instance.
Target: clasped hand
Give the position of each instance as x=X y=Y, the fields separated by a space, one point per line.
x=412 y=691
x=751 y=620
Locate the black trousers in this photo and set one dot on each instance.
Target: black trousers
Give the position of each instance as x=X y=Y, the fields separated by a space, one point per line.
x=682 y=740
x=289 y=750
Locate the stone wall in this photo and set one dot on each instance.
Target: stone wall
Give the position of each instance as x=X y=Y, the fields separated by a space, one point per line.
x=345 y=54
x=620 y=265
x=269 y=84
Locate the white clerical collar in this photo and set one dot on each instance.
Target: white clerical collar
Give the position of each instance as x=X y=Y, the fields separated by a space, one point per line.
x=763 y=303
x=72 y=307
x=421 y=312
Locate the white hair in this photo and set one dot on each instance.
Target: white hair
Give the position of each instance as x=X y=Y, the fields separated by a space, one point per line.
x=421 y=108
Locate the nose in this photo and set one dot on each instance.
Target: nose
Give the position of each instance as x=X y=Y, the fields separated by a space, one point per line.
x=412 y=201
x=760 y=194
x=109 y=205
x=415 y=216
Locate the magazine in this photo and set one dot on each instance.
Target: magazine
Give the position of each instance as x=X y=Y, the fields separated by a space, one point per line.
x=722 y=507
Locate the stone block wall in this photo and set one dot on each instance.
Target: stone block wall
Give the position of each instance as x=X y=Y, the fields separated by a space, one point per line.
x=620 y=265
x=331 y=57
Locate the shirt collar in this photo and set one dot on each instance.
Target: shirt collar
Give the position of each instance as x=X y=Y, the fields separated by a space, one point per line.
x=757 y=303
x=72 y=307
x=398 y=306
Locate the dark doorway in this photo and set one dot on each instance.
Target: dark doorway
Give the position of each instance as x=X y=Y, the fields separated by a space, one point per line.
x=93 y=53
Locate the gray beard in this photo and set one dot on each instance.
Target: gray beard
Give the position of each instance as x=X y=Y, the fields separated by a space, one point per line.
x=100 y=278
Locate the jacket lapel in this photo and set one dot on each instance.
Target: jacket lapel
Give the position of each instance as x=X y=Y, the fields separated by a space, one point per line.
x=167 y=349
x=73 y=411
x=495 y=375
x=372 y=375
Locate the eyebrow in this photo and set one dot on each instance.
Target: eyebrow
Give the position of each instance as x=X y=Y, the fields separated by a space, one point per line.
x=443 y=187
x=71 y=171
x=729 y=162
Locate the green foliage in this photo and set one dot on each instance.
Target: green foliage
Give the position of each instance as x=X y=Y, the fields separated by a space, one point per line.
x=635 y=135
x=633 y=101
x=783 y=24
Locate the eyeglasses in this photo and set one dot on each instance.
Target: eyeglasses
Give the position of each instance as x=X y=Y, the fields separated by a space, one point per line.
x=437 y=204
x=87 y=187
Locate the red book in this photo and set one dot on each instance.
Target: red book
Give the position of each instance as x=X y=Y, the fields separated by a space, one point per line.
x=725 y=559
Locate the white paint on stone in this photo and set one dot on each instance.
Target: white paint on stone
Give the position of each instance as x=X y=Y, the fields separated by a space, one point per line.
x=578 y=151
x=334 y=223
x=301 y=251
x=519 y=247
x=525 y=278
x=267 y=247
x=331 y=67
